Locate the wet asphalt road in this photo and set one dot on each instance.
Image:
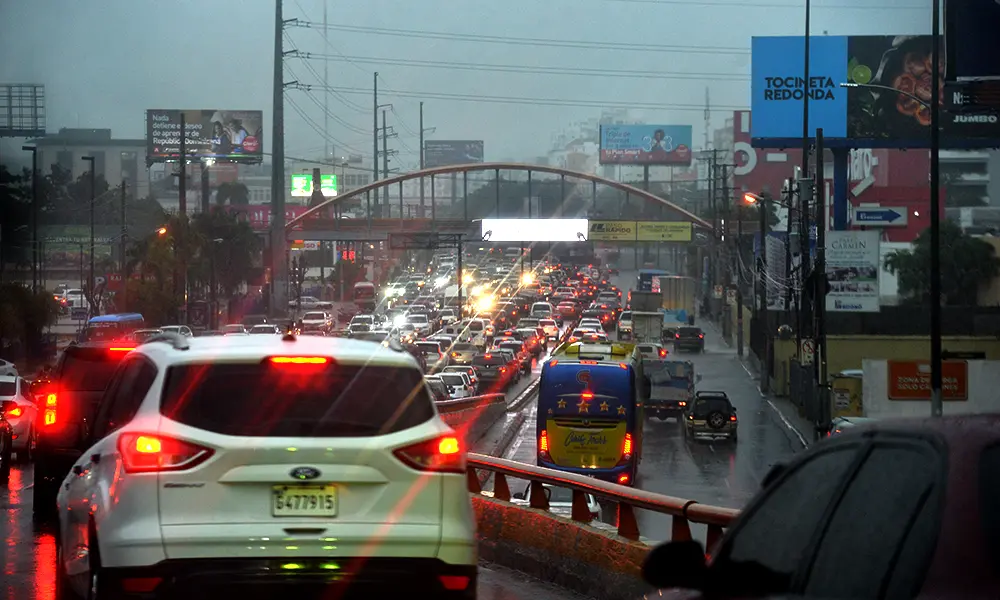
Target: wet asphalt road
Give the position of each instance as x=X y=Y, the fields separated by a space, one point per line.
x=719 y=473
x=28 y=557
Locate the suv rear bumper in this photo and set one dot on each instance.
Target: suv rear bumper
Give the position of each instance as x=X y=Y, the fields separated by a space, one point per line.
x=307 y=577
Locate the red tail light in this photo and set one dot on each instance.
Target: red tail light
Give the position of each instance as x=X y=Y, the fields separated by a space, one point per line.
x=701 y=335
x=151 y=453
x=454 y=354
x=16 y=411
x=587 y=396
x=438 y=455
x=49 y=416
x=454 y=583
x=121 y=349
x=543 y=445
x=299 y=360
x=677 y=336
x=663 y=352
x=732 y=418
x=503 y=369
x=627 y=447
x=623 y=479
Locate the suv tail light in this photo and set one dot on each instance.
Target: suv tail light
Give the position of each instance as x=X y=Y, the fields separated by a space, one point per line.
x=677 y=336
x=151 y=453
x=663 y=352
x=14 y=411
x=543 y=445
x=701 y=336
x=49 y=416
x=438 y=455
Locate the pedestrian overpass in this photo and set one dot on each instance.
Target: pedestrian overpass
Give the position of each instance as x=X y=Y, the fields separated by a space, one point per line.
x=320 y=224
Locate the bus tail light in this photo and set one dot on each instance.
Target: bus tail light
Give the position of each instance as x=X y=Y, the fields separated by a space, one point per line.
x=543 y=445
x=623 y=479
x=627 y=448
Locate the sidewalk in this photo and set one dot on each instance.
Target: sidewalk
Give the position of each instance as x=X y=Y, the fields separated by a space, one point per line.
x=786 y=412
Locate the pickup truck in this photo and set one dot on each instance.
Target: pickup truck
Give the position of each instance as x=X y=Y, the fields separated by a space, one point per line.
x=672 y=384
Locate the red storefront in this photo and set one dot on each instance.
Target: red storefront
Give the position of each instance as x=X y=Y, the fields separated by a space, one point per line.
x=886 y=178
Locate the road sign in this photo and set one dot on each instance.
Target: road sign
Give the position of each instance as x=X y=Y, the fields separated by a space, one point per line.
x=808 y=351
x=717 y=291
x=880 y=216
x=731 y=297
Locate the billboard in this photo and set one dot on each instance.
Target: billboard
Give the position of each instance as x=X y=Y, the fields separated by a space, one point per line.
x=645 y=145
x=444 y=153
x=22 y=110
x=534 y=230
x=852 y=268
x=234 y=135
x=858 y=116
x=970 y=30
x=612 y=231
x=663 y=231
x=302 y=185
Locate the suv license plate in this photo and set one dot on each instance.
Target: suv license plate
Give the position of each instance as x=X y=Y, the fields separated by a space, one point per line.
x=304 y=501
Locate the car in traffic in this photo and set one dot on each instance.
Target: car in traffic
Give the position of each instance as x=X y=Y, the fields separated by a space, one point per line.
x=542 y=310
x=309 y=303
x=197 y=472
x=233 y=329
x=689 y=338
x=551 y=328
x=520 y=351
x=22 y=415
x=6 y=442
x=8 y=368
x=317 y=320
x=879 y=512
x=66 y=413
x=462 y=353
x=494 y=370
x=711 y=416
x=178 y=329
x=265 y=329
x=567 y=311
x=468 y=370
x=652 y=351
x=459 y=384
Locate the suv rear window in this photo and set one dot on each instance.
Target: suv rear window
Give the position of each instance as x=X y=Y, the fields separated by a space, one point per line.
x=88 y=369
x=493 y=360
x=703 y=406
x=452 y=379
x=476 y=326
x=260 y=400
x=514 y=346
x=626 y=316
x=689 y=331
x=8 y=388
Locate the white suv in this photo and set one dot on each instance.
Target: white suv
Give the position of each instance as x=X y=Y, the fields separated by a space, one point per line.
x=223 y=463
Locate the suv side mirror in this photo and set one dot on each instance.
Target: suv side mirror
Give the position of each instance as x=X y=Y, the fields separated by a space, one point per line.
x=676 y=565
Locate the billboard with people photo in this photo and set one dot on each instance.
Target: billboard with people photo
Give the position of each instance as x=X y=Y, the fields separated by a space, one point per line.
x=234 y=135
x=646 y=145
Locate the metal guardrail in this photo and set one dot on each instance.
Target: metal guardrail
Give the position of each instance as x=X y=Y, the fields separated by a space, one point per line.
x=684 y=512
x=458 y=404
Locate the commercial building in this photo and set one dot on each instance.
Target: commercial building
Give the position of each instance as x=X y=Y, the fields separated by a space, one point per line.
x=114 y=159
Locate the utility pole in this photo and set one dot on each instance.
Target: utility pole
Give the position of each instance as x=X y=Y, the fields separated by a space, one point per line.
x=206 y=192
x=937 y=408
x=819 y=277
x=326 y=96
x=279 y=266
x=422 y=163
x=90 y=283
x=182 y=174
x=385 y=154
x=375 y=140
x=124 y=237
x=739 y=278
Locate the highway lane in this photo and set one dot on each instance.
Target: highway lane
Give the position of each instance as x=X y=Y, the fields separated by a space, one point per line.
x=718 y=473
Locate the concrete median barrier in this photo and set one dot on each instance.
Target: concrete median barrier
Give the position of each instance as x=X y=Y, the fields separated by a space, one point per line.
x=583 y=558
x=473 y=417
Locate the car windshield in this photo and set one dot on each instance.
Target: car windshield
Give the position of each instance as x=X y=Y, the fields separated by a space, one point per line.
x=626 y=316
x=336 y=400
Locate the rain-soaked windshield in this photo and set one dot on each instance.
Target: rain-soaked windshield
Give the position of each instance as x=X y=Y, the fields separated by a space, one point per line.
x=807 y=226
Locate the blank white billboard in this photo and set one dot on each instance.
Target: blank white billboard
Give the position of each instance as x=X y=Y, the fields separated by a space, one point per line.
x=535 y=230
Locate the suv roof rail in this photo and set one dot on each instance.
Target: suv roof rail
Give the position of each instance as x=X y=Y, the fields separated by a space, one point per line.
x=176 y=340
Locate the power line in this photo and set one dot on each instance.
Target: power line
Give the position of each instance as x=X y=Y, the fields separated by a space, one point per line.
x=309 y=94
x=544 y=70
x=317 y=128
x=519 y=41
x=295 y=53
x=539 y=101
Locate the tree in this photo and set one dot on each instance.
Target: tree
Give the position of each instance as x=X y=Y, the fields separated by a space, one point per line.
x=24 y=315
x=15 y=217
x=235 y=257
x=967 y=264
x=235 y=193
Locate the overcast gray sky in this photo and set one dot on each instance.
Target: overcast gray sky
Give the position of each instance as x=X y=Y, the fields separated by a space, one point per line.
x=104 y=62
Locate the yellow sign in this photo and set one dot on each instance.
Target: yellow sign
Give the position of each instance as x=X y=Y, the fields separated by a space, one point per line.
x=663 y=231
x=612 y=231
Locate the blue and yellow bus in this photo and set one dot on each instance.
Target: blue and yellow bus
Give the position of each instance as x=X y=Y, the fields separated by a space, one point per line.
x=110 y=327
x=590 y=411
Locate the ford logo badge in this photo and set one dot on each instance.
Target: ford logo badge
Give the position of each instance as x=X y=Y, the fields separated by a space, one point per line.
x=303 y=473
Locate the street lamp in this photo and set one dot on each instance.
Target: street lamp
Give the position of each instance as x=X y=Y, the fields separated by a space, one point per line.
x=90 y=159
